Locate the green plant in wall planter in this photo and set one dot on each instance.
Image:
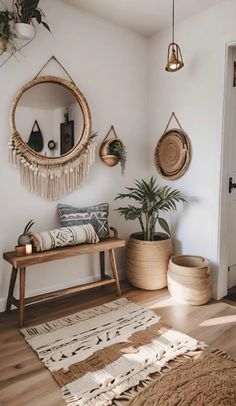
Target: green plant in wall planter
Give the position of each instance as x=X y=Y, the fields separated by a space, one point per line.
x=6 y=33
x=26 y=13
x=113 y=151
x=148 y=252
x=117 y=148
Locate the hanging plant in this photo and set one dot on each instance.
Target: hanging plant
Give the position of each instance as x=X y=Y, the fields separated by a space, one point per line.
x=19 y=23
x=112 y=150
x=117 y=149
x=26 y=13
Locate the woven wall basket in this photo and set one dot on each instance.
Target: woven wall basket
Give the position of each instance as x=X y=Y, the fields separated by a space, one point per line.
x=147 y=262
x=173 y=152
x=189 y=280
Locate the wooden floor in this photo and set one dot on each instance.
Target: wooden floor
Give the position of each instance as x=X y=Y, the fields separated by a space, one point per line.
x=24 y=381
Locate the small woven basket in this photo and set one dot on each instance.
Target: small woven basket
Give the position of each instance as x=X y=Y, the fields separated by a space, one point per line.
x=189 y=279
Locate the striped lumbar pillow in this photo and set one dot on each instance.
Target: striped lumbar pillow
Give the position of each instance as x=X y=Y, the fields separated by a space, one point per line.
x=97 y=216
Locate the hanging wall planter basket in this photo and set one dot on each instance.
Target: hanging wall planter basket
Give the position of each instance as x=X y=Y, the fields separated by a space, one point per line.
x=112 y=150
x=109 y=160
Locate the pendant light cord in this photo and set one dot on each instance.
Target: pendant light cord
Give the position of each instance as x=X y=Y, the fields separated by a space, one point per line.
x=173 y=22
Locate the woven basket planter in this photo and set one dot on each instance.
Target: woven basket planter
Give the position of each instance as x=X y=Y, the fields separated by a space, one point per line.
x=189 y=280
x=147 y=261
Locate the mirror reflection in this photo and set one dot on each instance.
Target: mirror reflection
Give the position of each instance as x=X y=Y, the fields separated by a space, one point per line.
x=49 y=119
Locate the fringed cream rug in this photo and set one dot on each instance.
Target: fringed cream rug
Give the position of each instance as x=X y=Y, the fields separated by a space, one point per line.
x=107 y=354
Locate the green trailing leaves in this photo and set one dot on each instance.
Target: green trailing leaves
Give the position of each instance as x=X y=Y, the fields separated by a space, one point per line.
x=151 y=199
x=5 y=28
x=117 y=148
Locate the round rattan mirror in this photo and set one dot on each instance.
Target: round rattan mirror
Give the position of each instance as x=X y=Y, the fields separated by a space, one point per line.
x=45 y=110
x=48 y=100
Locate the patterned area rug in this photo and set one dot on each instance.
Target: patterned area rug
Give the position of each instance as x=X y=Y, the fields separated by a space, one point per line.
x=108 y=354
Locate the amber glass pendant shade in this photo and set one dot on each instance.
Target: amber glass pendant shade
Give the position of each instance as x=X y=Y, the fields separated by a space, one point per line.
x=174 y=58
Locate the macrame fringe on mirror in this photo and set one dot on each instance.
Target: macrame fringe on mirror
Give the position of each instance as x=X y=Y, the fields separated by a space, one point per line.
x=51 y=181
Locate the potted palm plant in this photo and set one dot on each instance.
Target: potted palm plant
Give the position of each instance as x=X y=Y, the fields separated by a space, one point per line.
x=148 y=251
x=26 y=12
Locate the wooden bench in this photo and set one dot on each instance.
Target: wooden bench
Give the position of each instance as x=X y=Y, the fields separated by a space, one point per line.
x=19 y=264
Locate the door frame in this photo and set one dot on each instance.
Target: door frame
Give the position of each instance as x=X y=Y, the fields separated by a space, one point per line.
x=224 y=235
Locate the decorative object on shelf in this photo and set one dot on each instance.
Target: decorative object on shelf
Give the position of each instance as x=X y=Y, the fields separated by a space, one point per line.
x=148 y=252
x=36 y=138
x=67 y=134
x=96 y=215
x=174 y=55
x=112 y=150
x=173 y=152
x=28 y=249
x=26 y=13
x=19 y=23
x=189 y=279
x=24 y=238
x=51 y=177
x=51 y=145
x=20 y=250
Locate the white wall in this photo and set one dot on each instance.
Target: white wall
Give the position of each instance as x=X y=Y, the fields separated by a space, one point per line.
x=109 y=65
x=195 y=93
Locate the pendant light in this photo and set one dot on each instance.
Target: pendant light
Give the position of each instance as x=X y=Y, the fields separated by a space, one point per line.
x=174 y=55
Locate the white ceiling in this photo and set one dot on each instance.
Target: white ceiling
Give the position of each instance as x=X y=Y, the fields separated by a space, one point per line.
x=144 y=16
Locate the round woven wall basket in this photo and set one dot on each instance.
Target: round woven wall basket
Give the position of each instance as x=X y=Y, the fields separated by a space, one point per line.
x=147 y=261
x=173 y=154
x=189 y=279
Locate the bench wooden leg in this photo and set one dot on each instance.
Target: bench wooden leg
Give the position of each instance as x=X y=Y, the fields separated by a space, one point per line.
x=22 y=297
x=11 y=288
x=114 y=271
x=102 y=264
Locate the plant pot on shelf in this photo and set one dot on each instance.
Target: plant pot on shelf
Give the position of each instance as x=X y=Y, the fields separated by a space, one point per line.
x=24 y=31
x=147 y=261
x=189 y=279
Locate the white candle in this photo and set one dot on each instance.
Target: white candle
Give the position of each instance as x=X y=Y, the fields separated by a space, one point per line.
x=28 y=249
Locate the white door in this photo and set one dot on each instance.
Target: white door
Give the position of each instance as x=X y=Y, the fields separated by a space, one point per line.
x=232 y=186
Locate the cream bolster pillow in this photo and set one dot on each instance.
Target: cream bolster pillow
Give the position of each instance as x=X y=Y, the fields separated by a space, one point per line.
x=64 y=236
